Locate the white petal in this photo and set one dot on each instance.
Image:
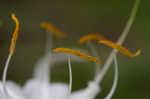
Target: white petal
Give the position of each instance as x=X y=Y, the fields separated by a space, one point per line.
x=36 y=89
x=14 y=91
x=2 y=96
x=59 y=91
x=88 y=93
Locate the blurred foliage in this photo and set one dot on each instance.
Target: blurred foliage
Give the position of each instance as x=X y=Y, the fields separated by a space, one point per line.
x=77 y=18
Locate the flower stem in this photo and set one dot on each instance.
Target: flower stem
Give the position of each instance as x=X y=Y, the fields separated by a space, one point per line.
x=124 y=34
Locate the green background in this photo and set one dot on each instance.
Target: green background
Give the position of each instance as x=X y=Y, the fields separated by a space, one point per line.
x=77 y=18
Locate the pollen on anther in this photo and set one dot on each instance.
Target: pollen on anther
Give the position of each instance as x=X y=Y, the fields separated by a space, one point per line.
x=119 y=48
x=52 y=29
x=77 y=53
x=15 y=34
x=90 y=37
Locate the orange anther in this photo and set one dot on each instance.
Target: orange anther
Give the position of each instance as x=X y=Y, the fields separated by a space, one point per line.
x=52 y=29
x=119 y=48
x=91 y=37
x=77 y=53
x=15 y=34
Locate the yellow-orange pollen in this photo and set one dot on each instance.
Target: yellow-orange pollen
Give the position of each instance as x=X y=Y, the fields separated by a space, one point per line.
x=52 y=29
x=119 y=48
x=91 y=37
x=77 y=53
x=15 y=34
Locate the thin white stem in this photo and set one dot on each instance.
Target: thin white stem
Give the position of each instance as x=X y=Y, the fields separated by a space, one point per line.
x=5 y=75
x=112 y=91
x=95 y=53
x=125 y=32
x=70 y=77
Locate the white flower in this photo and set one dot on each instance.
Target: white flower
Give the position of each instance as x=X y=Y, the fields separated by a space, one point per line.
x=39 y=88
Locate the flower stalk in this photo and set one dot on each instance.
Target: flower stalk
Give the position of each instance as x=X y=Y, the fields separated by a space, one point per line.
x=120 y=41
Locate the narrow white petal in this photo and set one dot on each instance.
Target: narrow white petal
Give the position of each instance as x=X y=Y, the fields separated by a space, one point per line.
x=35 y=89
x=14 y=91
x=58 y=91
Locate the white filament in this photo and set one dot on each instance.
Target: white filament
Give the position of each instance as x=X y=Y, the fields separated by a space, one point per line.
x=70 y=77
x=5 y=75
x=112 y=91
x=125 y=32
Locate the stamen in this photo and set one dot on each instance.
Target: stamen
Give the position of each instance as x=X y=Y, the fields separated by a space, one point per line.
x=15 y=34
x=52 y=29
x=120 y=48
x=12 y=48
x=77 y=53
x=112 y=91
x=91 y=37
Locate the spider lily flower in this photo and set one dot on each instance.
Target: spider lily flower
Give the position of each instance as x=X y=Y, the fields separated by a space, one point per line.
x=40 y=88
x=47 y=90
